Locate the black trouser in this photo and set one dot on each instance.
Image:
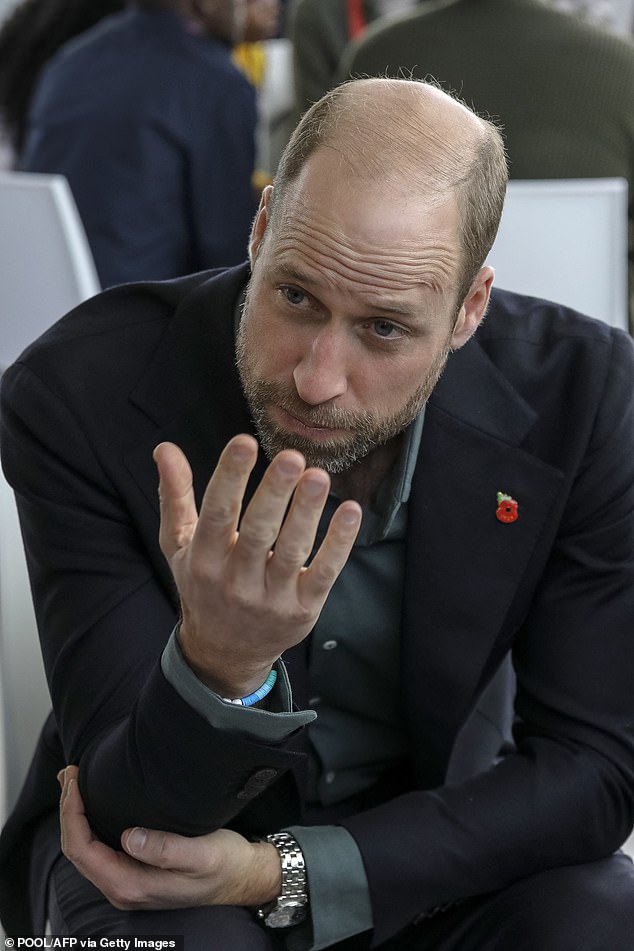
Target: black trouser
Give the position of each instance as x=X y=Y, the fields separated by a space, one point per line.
x=578 y=908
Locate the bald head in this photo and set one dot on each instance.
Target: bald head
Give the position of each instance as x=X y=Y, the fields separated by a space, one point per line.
x=412 y=137
x=395 y=128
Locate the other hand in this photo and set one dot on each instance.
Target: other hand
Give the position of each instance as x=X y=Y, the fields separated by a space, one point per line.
x=159 y=870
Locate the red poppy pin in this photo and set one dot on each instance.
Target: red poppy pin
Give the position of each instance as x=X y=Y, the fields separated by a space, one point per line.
x=507 y=510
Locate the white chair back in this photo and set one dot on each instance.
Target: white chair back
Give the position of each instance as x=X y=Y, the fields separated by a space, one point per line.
x=276 y=105
x=46 y=266
x=566 y=240
x=24 y=697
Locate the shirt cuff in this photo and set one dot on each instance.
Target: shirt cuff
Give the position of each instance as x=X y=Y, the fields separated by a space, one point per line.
x=339 y=904
x=271 y=726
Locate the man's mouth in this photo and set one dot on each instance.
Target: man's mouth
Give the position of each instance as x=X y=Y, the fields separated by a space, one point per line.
x=295 y=424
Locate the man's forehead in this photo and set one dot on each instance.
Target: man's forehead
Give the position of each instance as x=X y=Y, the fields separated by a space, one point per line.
x=398 y=241
x=333 y=179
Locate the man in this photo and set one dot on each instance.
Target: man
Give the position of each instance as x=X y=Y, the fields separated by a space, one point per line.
x=517 y=535
x=153 y=125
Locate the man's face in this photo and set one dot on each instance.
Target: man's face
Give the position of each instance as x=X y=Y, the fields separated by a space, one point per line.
x=350 y=314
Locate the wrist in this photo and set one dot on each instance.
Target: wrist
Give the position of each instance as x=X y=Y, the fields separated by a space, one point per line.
x=226 y=677
x=268 y=868
x=257 y=696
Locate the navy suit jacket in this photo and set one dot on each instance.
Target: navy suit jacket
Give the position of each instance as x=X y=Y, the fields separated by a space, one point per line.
x=539 y=404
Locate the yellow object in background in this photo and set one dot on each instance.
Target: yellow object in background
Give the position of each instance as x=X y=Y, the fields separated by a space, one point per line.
x=251 y=59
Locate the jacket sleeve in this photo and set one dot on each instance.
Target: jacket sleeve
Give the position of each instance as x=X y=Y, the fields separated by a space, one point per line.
x=566 y=795
x=105 y=608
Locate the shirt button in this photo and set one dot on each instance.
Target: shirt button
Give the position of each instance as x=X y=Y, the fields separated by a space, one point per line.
x=329 y=645
x=314 y=701
x=330 y=777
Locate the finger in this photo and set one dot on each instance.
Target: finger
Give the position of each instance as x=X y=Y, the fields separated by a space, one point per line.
x=165 y=850
x=222 y=502
x=262 y=521
x=176 y=493
x=79 y=845
x=297 y=536
x=71 y=816
x=316 y=581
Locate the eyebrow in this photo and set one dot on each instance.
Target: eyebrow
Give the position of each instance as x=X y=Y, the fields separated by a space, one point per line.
x=292 y=273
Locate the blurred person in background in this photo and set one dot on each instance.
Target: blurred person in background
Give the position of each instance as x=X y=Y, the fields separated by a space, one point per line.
x=153 y=125
x=30 y=34
x=320 y=30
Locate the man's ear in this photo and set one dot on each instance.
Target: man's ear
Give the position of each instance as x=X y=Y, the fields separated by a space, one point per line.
x=473 y=308
x=260 y=222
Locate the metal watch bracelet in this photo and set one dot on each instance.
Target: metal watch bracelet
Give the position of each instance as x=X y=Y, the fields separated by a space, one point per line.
x=291 y=906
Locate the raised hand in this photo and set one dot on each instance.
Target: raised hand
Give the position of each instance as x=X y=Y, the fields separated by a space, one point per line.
x=245 y=591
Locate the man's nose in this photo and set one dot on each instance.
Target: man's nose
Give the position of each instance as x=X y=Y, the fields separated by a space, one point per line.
x=321 y=374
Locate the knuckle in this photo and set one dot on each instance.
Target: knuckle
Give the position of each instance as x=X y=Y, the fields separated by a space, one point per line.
x=218 y=515
x=120 y=904
x=303 y=617
x=323 y=574
x=122 y=899
x=257 y=535
x=294 y=553
x=71 y=853
x=163 y=858
x=238 y=595
x=200 y=572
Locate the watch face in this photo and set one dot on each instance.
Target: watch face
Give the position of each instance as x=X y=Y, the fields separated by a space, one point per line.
x=286 y=913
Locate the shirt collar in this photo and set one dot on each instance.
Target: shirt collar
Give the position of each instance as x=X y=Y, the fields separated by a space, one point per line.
x=387 y=519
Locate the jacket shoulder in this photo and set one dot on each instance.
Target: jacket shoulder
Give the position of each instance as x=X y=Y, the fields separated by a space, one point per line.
x=106 y=342
x=538 y=321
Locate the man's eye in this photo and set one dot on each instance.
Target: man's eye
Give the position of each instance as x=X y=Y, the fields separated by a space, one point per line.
x=293 y=295
x=386 y=329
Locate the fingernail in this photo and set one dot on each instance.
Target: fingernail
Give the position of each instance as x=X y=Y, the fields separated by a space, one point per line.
x=241 y=451
x=350 y=516
x=136 y=840
x=60 y=777
x=313 y=486
x=289 y=465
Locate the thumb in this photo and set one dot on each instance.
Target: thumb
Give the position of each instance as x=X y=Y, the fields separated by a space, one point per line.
x=134 y=841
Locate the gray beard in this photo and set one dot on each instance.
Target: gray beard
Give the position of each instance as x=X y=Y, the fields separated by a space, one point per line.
x=365 y=431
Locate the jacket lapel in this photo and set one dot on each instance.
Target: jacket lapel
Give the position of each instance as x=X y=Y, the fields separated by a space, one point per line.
x=464 y=566
x=190 y=391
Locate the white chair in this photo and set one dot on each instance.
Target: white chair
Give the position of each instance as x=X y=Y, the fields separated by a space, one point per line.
x=617 y=15
x=46 y=266
x=276 y=104
x=566 y=240
x=24 y=697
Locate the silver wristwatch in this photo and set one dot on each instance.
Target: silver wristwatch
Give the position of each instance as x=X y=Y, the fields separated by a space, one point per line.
x=291 y=906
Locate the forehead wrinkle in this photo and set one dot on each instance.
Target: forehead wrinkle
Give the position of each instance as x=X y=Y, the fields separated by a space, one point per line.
x=399 y=268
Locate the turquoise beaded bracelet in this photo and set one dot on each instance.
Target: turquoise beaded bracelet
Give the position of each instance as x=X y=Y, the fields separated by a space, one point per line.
x=258 y=694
